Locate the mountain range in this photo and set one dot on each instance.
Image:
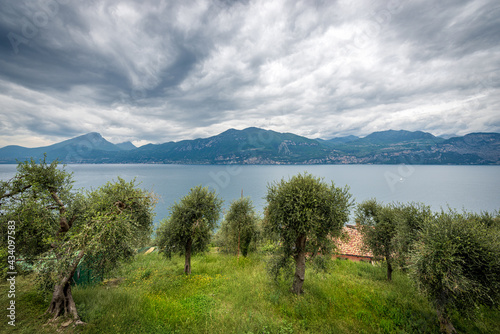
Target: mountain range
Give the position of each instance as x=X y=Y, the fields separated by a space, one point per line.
x=259 y=146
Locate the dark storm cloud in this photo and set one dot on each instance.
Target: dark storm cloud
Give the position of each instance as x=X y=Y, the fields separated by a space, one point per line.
x=168 y=70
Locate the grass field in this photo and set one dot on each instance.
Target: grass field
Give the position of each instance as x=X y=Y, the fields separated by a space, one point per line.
x=229 y=295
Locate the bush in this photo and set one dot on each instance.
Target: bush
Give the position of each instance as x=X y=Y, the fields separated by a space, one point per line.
x=456 y=264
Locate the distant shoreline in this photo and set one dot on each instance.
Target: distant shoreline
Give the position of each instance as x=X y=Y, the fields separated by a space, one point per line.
x=254 y=146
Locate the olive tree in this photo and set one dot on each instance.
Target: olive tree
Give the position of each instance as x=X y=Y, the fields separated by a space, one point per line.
x=305 y=214
x=377 y=224
x=389 y=231
x=54 y=222
x=190 y=225
x=239 y=227
x=410 y=221
x=456 y=264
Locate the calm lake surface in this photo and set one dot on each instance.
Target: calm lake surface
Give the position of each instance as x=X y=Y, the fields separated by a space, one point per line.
x=474 y=188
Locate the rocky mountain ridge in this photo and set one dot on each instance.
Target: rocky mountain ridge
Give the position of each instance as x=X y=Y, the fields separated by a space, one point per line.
x=259 y=146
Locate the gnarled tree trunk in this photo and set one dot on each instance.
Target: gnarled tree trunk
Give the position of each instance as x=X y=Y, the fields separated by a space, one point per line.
x=187 y=263
x=300 y=264
x=62 y=303
x=445 y=323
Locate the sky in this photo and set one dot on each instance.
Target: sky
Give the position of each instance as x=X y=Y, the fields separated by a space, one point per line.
x=158 y=71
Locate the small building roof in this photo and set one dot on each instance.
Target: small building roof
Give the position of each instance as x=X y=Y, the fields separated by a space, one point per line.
x=353 y=246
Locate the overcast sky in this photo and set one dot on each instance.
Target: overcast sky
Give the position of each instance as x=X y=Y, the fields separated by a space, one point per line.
x=158 y=71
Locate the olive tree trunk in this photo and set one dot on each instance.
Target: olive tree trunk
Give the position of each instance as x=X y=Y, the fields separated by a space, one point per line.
x=187 y=263
x=62 y=303
x=445 y=323
x=389 y=270
x=300 y=264
x=239 y=242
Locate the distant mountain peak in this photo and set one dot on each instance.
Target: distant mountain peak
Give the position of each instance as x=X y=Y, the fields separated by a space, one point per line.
x=260 y=146
x=230 y=131
x=397 y=132
x=126 y=146
x=91 y=135
x=393 y=136
x=343 y=139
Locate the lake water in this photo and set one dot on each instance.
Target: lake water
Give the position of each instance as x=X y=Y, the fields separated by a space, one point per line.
x=475 y=188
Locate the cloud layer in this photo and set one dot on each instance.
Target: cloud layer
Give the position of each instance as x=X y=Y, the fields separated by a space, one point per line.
x=156 y=71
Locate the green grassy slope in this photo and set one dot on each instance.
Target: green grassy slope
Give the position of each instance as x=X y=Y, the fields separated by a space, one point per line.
x=227 y=295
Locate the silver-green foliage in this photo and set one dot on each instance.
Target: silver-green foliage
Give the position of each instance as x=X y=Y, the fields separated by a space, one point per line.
x=239 y=229
x=56 y=227
x=117 y=218
x=191 y=222
x=389 y=231
x=304 y=214
x=28 y=200
x=377 y=224
x=456 y=263
x=105 y=224
x=410 y=221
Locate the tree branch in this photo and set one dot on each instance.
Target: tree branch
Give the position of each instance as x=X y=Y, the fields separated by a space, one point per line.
x=120 y=206
x=71 y=221
x=63 y=223
x=73 y=267
x=15 y=192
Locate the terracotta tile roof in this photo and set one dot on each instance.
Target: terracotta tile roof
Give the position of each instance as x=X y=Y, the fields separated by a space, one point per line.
x=353 y=246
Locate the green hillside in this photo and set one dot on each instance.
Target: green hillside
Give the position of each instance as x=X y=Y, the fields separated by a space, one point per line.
x=229 y=295
x=254 y=146
x=249 y=146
